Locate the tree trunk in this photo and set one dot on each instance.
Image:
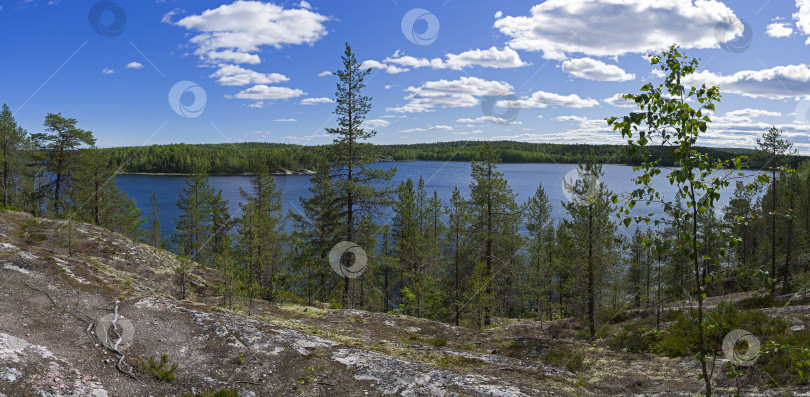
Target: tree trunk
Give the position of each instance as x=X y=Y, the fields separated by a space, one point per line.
x=591 y=319
x=788 y=247
x=457 y=298
x=487 y=319
x=773 y=231
x=702 y=357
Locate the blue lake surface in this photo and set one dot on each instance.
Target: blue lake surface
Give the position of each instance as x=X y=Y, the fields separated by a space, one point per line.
x=439 y=176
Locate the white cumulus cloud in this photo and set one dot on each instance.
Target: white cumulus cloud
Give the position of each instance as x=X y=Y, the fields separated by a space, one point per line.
x=390 y=69
x=441 y=128
x=617 y=27
x=265 y=92
x=313 y=101
x=619 y=101
x=491 y=119
x=134 y=65
x=752 y=113
x=802 y=17
x=235 y=32
x=541 y=99
x=236 y=75
x=460 y=93
x=490 y=58
x=779 y=29
x=375 y=123
x=592 y=69
x=779 y=82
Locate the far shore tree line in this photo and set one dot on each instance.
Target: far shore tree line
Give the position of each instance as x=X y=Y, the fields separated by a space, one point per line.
x=462 y=261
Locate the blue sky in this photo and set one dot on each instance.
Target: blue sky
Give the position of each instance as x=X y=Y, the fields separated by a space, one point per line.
x=442 y=70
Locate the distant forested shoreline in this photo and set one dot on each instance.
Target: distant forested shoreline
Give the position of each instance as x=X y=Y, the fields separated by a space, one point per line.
x=238 y=158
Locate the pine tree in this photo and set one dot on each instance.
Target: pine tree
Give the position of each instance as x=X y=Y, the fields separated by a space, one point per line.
x=389 y=268
x=154 y=221
x=98 y=200
x=407 y=242
x=261 y=236
x=495 y=223
x=60 y=152
x=194 y=225
x=790 y=183
x=635 y=271
x=12 y=141
x=363 y=191
x=320 y=224
x=221 y=225
x=592 y=230
x=302 y=256
x=183 y=271
x=431 y=252
x=230 y=286
x=739 y=216
x=540 y=224
x=772 y=149
x=35 y=185
x=457 y=243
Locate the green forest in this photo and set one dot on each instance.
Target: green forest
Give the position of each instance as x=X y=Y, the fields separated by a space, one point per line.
x=239 y=158
x=464 y=261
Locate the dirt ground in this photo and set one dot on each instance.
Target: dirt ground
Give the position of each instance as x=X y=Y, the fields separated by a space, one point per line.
x=52 y=298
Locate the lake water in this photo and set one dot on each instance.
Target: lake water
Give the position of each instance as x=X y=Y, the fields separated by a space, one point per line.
x=439 y=176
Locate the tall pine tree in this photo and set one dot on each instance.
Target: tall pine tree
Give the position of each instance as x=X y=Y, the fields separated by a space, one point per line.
x=363 y=191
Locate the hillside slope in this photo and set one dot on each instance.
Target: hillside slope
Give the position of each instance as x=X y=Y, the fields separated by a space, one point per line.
x=51 y=303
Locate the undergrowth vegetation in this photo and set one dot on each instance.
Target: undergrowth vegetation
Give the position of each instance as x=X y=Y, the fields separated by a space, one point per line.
x=162 y=370
x=784 y=357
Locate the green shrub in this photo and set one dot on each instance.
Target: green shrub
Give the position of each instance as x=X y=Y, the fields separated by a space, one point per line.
x=759 y=302
x=439 y=342
x=37 y=237
x=670 y=315
x=569 y=360
x=786 y=360
x=161 y=370
x=612 y=316
x=636 y=337
x=680 y=338
x=223 y=392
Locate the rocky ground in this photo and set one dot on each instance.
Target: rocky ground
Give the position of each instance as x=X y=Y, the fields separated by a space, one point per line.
x=52 y=299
